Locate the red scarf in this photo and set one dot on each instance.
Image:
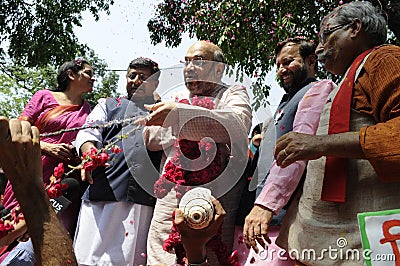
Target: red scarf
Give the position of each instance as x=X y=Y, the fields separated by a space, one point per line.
x=334 y=187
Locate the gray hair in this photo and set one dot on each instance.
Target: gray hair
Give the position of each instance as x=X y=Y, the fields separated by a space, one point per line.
x=219 y=56
x=373 y=22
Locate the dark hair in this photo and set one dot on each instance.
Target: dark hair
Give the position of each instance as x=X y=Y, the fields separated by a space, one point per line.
x=62 y=74
x=306 y=47
x=373 y=22
x=257 y=128
x=142 y=62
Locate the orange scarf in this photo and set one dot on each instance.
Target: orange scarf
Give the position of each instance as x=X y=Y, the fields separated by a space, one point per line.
x=54 y=113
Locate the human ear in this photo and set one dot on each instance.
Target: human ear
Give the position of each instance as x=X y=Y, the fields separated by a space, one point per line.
x=355 y=27
x=311 y=59
x=70 y=74
x=219 y=69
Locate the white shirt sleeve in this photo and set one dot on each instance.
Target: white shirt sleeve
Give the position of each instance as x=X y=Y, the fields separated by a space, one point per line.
x=229 y=121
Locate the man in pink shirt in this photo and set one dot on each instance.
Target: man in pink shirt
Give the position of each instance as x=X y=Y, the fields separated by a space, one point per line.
x=281 y=183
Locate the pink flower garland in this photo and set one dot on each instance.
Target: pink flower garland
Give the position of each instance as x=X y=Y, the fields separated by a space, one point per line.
x=176 y=177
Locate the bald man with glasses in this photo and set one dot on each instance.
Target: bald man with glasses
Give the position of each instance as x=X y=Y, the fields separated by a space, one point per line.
x=227 y=124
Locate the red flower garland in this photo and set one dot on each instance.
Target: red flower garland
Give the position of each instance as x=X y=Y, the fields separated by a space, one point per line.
x=6 y=225
x=5 y=228
x=176 y=177
x=90 y=161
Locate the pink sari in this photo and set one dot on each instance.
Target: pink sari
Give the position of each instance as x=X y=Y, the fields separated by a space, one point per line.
x=61 y=117
x=49 y=116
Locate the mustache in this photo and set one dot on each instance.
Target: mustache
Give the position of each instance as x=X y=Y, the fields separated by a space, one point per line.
x=190 y=73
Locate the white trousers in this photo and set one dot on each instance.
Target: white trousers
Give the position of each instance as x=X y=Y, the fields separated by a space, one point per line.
x=112 y=233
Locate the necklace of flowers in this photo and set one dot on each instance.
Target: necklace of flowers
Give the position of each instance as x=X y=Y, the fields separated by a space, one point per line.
x=175 y=176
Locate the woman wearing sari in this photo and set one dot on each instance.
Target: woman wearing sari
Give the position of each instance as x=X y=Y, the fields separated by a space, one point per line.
x=50 y=111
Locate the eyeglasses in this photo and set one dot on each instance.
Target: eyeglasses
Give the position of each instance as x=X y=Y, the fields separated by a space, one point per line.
x=197 y=62
x=328 y=31
x=133 y=76
x=89 y=73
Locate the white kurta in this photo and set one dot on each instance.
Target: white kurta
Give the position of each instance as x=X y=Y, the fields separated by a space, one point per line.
x=228 y=123
x=112 y=233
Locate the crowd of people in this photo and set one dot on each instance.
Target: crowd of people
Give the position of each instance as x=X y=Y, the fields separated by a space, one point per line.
x=335 y=155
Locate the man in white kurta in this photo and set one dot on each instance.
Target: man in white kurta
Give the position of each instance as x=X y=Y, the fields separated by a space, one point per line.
x=116 y=211
x=227 y=124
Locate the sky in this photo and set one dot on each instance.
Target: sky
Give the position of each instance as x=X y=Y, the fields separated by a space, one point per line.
x=123 y=35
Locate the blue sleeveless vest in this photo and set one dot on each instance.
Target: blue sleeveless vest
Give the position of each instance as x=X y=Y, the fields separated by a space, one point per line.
x=120 y=181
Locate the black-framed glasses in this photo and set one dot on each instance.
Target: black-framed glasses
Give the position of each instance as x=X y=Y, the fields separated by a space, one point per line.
x=133 y=76
x=198 y=62
x=324 y=35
